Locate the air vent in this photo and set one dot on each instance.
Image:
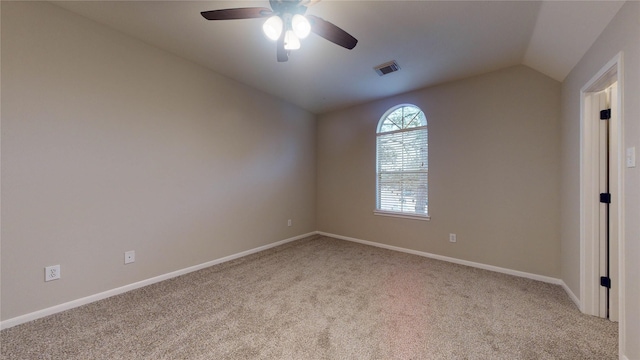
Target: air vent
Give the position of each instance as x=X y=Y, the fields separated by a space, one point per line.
x=387 y=68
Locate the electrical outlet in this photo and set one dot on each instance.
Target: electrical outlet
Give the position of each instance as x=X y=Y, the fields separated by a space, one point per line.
x=129 y=257
x=452 y=238
x=52 y=273
x=289 y=222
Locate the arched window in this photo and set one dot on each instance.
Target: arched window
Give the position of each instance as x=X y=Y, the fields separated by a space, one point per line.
x=402 y=163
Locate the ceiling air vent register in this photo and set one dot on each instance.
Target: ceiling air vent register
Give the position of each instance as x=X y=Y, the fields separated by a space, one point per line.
x=387 y=68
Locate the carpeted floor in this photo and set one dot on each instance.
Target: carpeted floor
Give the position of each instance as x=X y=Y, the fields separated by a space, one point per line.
x=321 y=298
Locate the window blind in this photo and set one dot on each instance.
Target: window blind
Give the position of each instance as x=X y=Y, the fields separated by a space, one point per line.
x=402 y=171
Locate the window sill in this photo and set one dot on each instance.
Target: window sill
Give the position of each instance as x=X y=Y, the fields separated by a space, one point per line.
x=401 y=215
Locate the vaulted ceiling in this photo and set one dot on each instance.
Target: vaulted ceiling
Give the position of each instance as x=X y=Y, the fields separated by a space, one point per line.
x=432 y=41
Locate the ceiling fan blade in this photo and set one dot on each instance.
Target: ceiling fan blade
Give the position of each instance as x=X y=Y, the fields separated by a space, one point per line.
x=331 y=32
x=281 y=53
x=235 y=14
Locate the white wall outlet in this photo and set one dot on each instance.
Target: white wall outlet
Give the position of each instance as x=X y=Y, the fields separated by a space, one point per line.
x=129 y=257
x=289 y=222
x=452 y=238
x=52 y=273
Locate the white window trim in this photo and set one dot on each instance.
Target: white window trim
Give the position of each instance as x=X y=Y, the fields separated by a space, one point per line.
x=401 y=215
x=397 y=214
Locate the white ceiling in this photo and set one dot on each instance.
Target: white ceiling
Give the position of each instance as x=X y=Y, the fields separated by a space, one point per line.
x=432 y=41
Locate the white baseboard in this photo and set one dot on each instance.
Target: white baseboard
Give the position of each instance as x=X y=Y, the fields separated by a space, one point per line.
x=103 y=295
x=573 y=296
x=542 y=278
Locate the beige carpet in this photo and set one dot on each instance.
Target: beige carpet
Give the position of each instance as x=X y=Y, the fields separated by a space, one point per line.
x=321 y=298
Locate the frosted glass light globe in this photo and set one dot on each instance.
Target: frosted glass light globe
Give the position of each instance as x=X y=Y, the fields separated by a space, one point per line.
x=291 y=41
x=300 y=26
x=273 y=27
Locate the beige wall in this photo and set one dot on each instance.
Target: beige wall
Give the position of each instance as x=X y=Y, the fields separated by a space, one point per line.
x=494 y=172
x=110 y=145
x=622 y=34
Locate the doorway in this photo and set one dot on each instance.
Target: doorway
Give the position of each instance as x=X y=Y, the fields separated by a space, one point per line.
x=601 y=207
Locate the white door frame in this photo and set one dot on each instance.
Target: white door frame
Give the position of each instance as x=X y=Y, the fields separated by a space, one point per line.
x=589 y=240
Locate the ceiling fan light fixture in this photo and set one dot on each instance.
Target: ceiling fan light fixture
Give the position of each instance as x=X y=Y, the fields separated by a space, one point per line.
x=301 y=26
x=285 y=24
x=272 y=28
x=291 y=41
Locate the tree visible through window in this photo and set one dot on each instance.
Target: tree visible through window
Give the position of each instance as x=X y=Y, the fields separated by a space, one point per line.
x=402 y=162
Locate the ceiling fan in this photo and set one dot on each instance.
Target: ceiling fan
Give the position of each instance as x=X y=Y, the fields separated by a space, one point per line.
x=286 y=24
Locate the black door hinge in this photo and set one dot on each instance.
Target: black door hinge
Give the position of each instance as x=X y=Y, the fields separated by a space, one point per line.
x=605 y=198
x=605 y=114
x=605 y=281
